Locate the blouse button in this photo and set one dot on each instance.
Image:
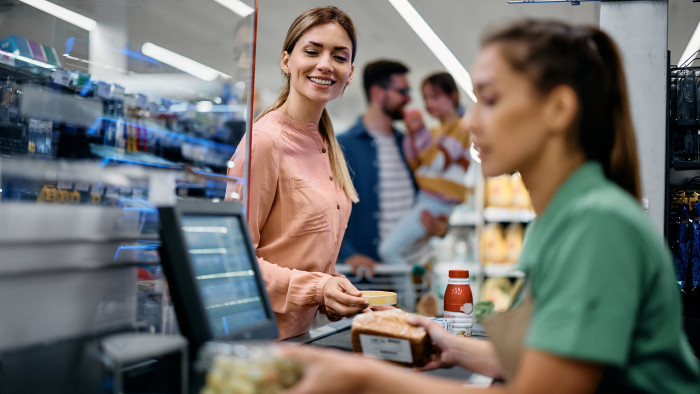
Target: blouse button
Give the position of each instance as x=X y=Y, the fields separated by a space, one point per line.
x=331 y=178
x=323 y=150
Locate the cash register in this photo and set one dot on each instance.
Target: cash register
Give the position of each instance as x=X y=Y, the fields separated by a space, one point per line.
x=213 y=276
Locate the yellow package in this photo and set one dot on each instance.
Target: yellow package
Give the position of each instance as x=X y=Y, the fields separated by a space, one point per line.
x=499 y=192
x=514 y=242
x=493 y=245
x=521 y=198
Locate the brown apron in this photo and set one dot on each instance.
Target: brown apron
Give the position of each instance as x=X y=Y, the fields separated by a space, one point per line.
x=507 y=333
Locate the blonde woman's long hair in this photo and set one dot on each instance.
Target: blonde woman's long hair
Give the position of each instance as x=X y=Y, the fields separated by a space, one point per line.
x=304 y=22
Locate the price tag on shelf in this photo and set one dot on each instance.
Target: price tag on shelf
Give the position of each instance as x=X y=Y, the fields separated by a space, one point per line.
x=61 y=77
x=82 y=186
x=97 y=190
x=141 y=100
x=64 y=185
x=152 y=108
x=112 y=192
x=118 y=92
x=104 y=90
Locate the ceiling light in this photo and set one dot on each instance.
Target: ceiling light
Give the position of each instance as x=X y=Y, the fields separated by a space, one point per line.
x=180 y=62
x=237 y=6
x=691 y=49
x=433 y=42
x=63 y=13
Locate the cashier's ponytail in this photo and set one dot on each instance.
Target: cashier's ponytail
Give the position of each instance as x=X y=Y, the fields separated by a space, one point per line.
x=304 y=22
x=586 y=59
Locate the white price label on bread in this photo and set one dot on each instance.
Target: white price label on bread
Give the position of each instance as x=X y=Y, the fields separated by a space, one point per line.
x=391 y=349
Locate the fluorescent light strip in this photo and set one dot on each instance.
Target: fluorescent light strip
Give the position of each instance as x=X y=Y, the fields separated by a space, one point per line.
x=237 y=6
x=63 y=13
x=180 y=62
x=691 y=48
x=433 y=42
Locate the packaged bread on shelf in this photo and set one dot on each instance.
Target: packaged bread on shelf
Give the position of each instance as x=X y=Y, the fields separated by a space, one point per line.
x=388 y=335
x=514 y=242
x=521 y=198
x=493 y=244
x=499 y=192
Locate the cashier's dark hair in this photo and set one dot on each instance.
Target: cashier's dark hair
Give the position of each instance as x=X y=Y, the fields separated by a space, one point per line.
x=302 y=24
x=552 y=54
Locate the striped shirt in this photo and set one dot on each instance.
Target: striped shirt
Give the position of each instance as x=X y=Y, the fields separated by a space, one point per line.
x=395 y=185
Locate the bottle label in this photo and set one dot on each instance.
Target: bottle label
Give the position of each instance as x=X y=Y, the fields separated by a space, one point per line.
x=458 y=316
x=384 y=348
x=466 y=308
x=463 y=331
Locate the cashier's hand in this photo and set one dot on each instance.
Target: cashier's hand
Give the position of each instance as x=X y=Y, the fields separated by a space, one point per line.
x=443 y=340
x=327 y=370
x=340 y=297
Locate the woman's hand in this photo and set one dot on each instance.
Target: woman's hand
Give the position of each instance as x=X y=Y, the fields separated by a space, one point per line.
x=340 y=297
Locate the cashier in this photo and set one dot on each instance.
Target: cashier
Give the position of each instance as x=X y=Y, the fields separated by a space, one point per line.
x=601 y=311
x=300 y=191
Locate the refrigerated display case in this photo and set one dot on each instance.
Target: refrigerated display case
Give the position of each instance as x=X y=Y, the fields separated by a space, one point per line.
x=100 y=125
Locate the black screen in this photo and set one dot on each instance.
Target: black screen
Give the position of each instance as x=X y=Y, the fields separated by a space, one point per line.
x=213 y=274
x=223 y=273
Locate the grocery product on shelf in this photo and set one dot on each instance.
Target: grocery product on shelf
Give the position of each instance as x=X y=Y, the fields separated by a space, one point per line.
x=514 y=242
x=499 y=192
x=493 y=244
x=498 y=291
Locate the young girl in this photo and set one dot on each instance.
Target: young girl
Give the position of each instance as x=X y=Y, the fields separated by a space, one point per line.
x=439 y=159
x=300 y=190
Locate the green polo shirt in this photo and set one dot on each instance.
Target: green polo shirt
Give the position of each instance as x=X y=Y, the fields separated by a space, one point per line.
x=604 y=289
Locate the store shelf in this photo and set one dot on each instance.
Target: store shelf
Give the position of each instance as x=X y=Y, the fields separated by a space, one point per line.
x=464 y=218
x=686 y=165
x=494 y=214
x=502 y=270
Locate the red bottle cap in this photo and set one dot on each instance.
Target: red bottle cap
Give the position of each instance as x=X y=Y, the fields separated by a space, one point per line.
x=459 y=273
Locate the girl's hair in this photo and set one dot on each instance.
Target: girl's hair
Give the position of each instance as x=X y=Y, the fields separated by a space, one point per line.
x=586 y=59
x=445 y=83
x=302 y=24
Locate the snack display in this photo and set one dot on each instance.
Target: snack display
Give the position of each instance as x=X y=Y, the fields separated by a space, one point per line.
x=493 y=244
x=499 y=192
x=246 y=369
x=521 y=198
x=514 y=242
x=498 y=291
x=387 y=335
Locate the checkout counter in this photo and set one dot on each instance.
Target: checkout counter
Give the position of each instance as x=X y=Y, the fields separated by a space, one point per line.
x=81 y=316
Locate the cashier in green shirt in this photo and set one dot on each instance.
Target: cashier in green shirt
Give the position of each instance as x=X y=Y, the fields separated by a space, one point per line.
x=600 y=310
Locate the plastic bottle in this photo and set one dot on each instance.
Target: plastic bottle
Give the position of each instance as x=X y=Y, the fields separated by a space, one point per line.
x=459 y=305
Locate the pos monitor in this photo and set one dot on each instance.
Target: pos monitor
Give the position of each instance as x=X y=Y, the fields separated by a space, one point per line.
x=212 y=272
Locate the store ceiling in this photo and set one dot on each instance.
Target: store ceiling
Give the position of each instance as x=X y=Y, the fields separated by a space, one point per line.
x=459 y=23
x=203 y=30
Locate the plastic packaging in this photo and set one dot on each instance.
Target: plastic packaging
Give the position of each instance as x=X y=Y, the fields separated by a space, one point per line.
x=459 y=305
x=234 y=368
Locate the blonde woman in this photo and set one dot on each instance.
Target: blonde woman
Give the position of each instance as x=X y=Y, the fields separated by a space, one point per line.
x=300 y=190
